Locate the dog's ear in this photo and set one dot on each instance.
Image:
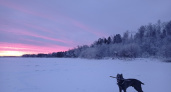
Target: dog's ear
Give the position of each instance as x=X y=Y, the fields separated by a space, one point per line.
x=121 y=75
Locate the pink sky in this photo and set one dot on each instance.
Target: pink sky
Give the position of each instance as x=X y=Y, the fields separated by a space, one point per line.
x=30 y=49
x=41 y=26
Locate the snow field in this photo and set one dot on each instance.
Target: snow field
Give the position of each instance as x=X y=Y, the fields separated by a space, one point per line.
x=80 y=75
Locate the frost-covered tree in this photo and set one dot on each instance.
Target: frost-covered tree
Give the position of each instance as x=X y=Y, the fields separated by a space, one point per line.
x=109 y=40
x=149 y=40
x=130 y=50
x=168 y=28
x=125 y=37
x=117 y=38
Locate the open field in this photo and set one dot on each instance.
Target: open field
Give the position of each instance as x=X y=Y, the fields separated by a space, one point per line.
x=80 y=75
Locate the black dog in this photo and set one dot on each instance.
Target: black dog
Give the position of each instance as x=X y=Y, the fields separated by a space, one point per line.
x=125 y=83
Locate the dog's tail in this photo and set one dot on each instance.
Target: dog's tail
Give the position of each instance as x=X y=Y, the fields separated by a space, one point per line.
x=142 y=83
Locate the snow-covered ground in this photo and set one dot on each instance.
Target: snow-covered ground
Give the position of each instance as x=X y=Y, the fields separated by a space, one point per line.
x=80 y=75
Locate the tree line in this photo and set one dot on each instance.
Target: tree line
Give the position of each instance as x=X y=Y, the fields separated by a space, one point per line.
x=152 y=40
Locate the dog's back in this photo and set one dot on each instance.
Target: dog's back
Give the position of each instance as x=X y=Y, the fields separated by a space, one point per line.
x=133 y=81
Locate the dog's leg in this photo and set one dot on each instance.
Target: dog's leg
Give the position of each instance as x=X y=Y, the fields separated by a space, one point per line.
x=141 y=89
x=124 y=90
x=120 y=89
x=138 y=88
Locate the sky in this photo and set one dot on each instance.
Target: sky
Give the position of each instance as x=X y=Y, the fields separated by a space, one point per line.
x=46 y=26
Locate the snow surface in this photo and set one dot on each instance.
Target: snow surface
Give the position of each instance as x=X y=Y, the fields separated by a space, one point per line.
x=80 y=75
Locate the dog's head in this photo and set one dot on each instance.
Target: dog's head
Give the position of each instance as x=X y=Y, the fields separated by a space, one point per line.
x=119 y=77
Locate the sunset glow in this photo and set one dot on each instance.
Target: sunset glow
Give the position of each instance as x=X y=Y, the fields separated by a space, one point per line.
x=11 y=49
x=11 y=53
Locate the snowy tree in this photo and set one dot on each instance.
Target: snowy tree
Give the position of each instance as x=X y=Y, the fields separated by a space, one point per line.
x=168 y=28
x=149 y=40
x=109 y=40
x=117 y=38
x=130 y=50
x=125 y=38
